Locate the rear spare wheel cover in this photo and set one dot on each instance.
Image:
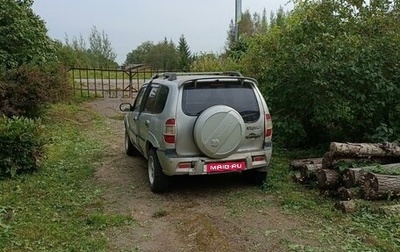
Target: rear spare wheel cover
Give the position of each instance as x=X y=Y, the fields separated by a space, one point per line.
x=218 y=131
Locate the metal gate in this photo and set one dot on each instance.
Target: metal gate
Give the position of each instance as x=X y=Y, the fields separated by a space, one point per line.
x=110 y=83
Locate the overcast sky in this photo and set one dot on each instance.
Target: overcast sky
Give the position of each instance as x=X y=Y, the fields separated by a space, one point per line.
x=129 y=23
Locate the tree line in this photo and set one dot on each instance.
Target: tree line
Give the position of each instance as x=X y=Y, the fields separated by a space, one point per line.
x=162 y=55
x=329 y=69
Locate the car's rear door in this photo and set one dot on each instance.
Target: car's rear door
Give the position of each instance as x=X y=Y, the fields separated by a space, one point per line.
x=239 y=95
x=146 y=116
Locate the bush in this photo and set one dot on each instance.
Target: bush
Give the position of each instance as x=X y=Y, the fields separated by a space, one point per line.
x=21 y=145
x=24 y=91
x=331 y=72
x=24 y=38
x=212 y=62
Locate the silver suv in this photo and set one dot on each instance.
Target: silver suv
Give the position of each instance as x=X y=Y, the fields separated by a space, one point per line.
x=199 y=123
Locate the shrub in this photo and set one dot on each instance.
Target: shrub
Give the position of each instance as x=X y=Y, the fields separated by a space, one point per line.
x=212 y=62
x=331 y=72
x=21 y=145
x=24 y=91
x=24 y=36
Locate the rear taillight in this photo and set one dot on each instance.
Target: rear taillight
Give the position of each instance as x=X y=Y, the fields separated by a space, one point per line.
x=187 y=165
x=268 y=125
x=169 y=131
x=258 y=159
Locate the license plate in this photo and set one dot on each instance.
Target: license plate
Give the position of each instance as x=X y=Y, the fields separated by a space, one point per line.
x=226 y=166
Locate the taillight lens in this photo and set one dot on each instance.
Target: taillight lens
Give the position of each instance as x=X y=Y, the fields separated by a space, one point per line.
x=184 y=165
x=258 y=158
x=268 y=125
x=169 y=131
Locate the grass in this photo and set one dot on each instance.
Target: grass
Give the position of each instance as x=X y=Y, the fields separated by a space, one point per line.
x=365 y=230
x=59 y=208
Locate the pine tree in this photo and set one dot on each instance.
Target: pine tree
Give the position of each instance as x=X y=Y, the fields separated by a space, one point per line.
x=185 y=58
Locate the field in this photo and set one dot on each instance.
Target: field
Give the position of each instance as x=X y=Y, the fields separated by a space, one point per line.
x=90 y=196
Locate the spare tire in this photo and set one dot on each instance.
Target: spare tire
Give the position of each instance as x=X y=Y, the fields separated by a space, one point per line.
x=218 y=131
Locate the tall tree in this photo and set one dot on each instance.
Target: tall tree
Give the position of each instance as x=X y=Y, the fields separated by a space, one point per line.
x=163 y=56
x=246 y=24
x=184 y=54
x=264 y=22
x=231 y=34
x=138 y=55
x=100 y=46
x=23 y=36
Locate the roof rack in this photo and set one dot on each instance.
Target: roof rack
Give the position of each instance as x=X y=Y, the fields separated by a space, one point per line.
x=171 y=76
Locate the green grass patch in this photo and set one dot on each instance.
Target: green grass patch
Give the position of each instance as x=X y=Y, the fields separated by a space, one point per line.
x=365 y=230
x=59 y=208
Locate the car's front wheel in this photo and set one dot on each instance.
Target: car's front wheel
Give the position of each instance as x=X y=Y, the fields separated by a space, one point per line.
x=159 y=182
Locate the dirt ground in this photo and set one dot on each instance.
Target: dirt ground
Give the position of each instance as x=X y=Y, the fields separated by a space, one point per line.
x=201 y=213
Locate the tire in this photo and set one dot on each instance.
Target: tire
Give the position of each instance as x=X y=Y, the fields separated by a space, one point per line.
x=159 y=182
x=254 y=177
x=130 y=150
x=219 y=131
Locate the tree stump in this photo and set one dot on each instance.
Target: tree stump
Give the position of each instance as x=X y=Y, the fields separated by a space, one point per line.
x=377 y=186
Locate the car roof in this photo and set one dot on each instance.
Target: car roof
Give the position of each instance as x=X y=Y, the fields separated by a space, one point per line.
x=181 y=78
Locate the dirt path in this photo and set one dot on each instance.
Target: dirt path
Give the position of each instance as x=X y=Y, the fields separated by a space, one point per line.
x=206 y=213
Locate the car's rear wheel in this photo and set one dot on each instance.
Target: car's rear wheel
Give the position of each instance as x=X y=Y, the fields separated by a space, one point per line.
x=254 y=177
x=159 y=182
x=130 y=150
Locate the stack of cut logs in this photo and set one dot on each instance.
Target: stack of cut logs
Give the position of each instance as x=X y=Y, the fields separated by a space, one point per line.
x=378 y=180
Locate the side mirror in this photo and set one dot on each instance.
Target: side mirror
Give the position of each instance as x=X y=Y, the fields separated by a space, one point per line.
x=125 y=107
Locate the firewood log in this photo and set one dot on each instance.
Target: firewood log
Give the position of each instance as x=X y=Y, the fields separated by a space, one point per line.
x=332 y=160
x=352 y=177
x=345 y=206
x=328 y=179
x=377 y=186
x=298 y=163
x=346 y=194
x=366 y=149
x=308 y=172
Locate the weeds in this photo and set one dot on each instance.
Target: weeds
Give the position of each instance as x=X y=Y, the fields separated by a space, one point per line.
x=365 y=230
x=59 y=208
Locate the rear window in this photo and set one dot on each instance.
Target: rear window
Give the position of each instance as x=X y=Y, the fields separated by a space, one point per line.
x=198 y=97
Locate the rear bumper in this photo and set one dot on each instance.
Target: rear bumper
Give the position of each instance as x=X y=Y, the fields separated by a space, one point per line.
x=169 y=162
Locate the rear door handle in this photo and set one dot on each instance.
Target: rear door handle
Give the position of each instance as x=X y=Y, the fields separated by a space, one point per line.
x=135 y=118
x=147 y=123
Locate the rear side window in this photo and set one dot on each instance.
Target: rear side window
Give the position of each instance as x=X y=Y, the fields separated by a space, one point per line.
x=241 y=97
x=161 y=100
x=156 y=99
x=151 y=98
